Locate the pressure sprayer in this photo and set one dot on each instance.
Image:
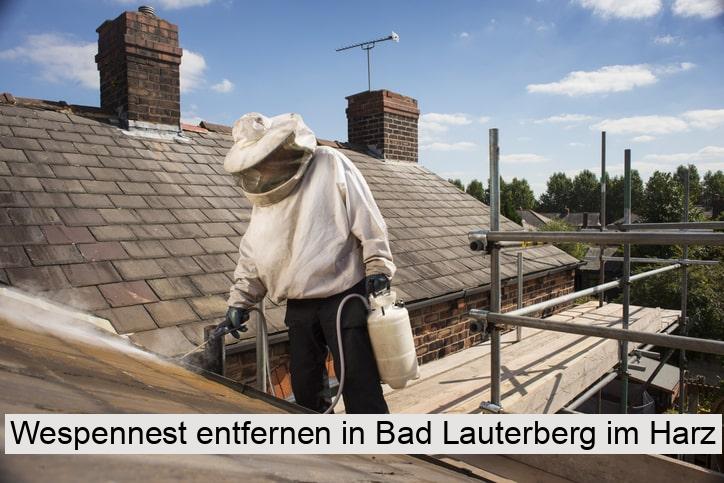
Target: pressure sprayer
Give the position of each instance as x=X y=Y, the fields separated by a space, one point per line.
x=388 y=324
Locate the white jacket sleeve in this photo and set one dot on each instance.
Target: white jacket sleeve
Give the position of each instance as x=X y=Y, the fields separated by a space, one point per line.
x=247 y=289
x=365 y=219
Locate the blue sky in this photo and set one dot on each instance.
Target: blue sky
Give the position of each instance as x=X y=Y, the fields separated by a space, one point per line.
x=550 y=74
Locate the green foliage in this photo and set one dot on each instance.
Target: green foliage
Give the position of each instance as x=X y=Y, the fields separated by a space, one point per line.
x=712 y=188
x=614 y=196
x=558 y=193
x=577 y=250
x=521 y=196
x=476 y=190
x=694 y=182
x=457 y=183
x=662 y=199
x=705 y=302
x=586 y=192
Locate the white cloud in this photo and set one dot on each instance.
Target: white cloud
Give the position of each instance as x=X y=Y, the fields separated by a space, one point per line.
x=172 y=4
x=59 y=57
x=705 y=118
x=698 y=8
x=669 y=69
x=456 y=119
x=192 y=70
x=463 y=35
x=440 y=146
x=611 y=78
x=224 y=86
x=709 y=157
x=642 y=125
x=484 y=119
x=523 y=158
x=643 y=139
x=626 y=9
x=667 y=40
x=564 y=119
x=576 y=144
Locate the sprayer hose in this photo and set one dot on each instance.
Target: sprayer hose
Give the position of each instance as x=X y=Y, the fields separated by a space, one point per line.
x=341 y=374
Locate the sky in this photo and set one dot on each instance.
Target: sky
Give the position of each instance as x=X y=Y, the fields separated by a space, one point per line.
x=549 y=74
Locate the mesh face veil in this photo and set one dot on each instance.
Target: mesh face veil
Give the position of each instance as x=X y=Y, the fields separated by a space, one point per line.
x=275 y=170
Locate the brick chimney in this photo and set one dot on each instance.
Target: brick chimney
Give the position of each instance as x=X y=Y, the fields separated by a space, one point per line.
x=385 y=121
x=138 y=59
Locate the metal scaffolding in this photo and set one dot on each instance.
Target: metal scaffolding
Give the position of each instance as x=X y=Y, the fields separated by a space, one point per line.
x=627 y=233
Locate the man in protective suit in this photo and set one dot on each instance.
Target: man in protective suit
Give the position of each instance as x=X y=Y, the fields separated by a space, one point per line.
x=315 y=236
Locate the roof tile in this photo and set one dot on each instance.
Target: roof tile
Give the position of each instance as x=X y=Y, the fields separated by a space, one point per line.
x=179 y=266
x=12 y=155
x=80 y=216
x=21 y=235
x=171 y=312
x=130 y=319
x=42 y=199
x=184 y=247
x=138 y=269
x=83 y=298
x=53 y=254
x=210 y=306
x=100 y=251
x=173 y=288
x=77 y=159
x=61 y=234
x=112 y=233
x=62 y=185
x=35 y=279
x=11 y=257
x=216 y=263
x=94 y=273
x=128 y=293
x=212 y=283
x=145 y=249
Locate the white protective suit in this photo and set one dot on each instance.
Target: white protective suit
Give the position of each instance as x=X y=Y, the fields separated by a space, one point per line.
x=322 y=237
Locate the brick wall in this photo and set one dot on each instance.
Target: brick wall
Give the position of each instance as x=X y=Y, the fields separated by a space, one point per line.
x=385 y=120
x=138 y=59
x=439 y=329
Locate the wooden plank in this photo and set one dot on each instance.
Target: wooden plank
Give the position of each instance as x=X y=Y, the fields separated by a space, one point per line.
x=540 y=374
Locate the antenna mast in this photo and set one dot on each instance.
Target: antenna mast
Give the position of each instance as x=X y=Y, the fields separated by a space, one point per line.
x=367 y=46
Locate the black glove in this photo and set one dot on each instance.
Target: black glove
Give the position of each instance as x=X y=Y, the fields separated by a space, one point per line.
x=376 y=284
x=234 y=322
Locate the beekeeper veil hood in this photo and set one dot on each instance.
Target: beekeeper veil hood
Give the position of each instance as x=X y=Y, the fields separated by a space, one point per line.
x=269 y=155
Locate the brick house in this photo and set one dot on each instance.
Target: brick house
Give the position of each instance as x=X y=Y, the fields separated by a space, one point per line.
x=124 y=212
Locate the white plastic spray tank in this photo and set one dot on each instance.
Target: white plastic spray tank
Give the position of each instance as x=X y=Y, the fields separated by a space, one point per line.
x=391 y=335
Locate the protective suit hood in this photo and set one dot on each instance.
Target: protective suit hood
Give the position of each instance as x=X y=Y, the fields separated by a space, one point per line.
x=269 y=155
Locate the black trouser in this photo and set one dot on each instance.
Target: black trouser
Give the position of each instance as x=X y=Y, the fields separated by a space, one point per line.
x=312 y=331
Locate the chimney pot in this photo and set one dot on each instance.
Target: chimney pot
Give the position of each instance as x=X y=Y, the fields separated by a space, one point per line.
x=384 y=121
x=145 y=9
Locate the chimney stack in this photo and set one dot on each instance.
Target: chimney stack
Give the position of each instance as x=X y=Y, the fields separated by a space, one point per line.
x=385 y=121
x=139 y=59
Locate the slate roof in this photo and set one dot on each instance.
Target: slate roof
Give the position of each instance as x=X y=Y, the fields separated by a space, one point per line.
x=532 y=218
x=144 y=232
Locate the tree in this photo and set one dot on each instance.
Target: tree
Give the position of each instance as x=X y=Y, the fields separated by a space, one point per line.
x=713 y=188
x=694 y=182
x=558 y=194
x=662 y=199
x=614 y=196
x=586 y=192
x=476 y=190
x=574 y=249
x=457 y=183
x=522 y=197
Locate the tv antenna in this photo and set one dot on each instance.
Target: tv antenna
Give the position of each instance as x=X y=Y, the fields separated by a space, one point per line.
x=367 y=46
